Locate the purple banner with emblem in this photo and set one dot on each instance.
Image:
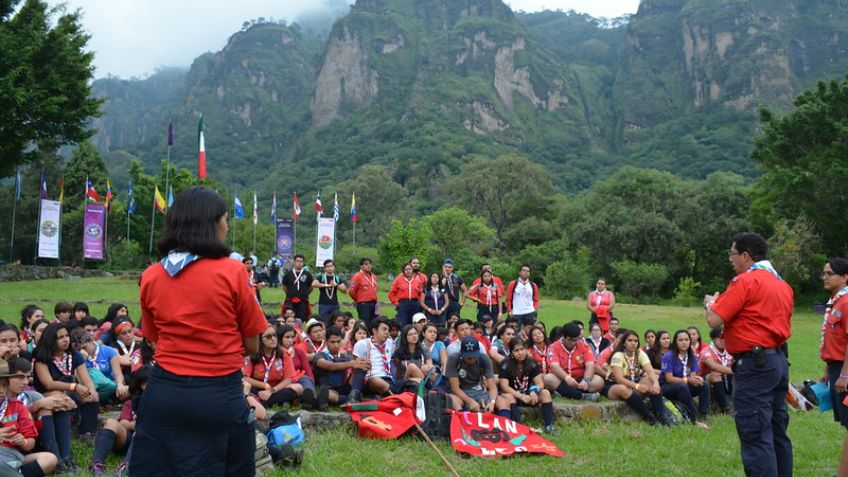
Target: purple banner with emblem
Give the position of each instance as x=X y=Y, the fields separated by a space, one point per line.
x=93 y=231
x=285 y=237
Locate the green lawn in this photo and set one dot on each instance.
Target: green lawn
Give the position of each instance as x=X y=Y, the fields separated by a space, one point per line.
x=623 y=448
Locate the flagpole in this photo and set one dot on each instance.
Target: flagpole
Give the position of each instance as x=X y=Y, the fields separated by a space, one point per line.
x=168 y=159
x=106 y=231
x=38 y=224
x=235 y=222
x=354 y=239
x=128 y=221
x=254 y=223
x=152 y=222
x=59 y=251
x=12 y=242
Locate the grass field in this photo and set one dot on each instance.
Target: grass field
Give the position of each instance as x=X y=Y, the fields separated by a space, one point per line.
x=617 y=449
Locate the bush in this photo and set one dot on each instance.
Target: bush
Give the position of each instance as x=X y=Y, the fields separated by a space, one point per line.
x=687 y=292
x=126 y=255
x=640 y=280
x=569 y=277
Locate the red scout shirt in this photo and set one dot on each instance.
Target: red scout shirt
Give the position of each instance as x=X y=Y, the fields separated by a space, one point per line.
x=834 y=339
x=281 y=368
x=199 y=317
x=405 y=289
x=13 y=413
x=363 y=287
x=573 y=362
x=757 y=311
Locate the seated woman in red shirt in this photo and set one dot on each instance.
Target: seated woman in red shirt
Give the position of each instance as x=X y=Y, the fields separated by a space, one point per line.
x=303 y=381
x=270 y=371
x=539 y=348
x=199 y=312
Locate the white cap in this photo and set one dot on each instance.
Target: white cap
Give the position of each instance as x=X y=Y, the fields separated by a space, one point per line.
x=419 y=317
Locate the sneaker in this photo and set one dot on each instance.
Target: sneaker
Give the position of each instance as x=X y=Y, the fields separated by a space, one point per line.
x=97 y=468
x=307 y=401
x=122 y=470
x=87 y=439
x=354 y=397
x=323 y=399
x=594 y=397
x=67 y=467
x=551 y=430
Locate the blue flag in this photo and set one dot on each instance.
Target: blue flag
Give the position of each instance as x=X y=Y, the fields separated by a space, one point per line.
x=130 y=200
x=43 y=184
x=18 y=183
x=238 y=210
x=170 y=196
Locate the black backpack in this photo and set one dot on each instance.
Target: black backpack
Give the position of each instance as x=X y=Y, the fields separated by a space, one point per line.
x=437 y=420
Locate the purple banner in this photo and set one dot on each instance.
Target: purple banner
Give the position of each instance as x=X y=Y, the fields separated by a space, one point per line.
x=285 y=237
x=93 y=231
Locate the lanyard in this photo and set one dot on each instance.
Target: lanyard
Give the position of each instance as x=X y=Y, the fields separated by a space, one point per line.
x=570 y=354
x=332 y=290
x=64 y=363
x=435 y=292
x=685 y=363
x=268 y=364
x=631 y=365
x=543 y=353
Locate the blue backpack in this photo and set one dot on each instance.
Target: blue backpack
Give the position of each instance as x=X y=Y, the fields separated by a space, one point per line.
x=285 y=429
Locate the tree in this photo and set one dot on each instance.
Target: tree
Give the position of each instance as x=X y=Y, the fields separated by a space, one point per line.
x=454 y=230
x=45 y=100
x=402 y=242
x=504 y=191
x=805 y=158
x=639 y=279
x=793 y=249
x=379 y=200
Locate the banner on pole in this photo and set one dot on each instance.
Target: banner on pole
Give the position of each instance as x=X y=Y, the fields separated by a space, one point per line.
x=93 y=235
x=326 y=240
x=285 y=237
x=48 y=229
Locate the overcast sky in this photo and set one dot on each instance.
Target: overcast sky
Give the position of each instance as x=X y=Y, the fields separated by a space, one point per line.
x=133 y=37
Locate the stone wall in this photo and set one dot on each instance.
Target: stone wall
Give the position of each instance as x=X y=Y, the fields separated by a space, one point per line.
x=17 y=273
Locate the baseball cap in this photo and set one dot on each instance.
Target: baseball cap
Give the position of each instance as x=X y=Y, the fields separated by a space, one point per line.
x=313 y=322
x=419 y=317
x=470 y=347
x=448 y=261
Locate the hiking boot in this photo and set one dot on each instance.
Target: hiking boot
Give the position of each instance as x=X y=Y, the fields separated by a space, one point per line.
x=594 y=397
x=97 y=468
x=354 y=397
x=67 y=467
x=323 y=399
x=307 y=401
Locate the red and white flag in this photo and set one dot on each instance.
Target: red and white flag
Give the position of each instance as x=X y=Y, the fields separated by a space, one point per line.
x=296 y=207
x=201 y=151
x=319 y=208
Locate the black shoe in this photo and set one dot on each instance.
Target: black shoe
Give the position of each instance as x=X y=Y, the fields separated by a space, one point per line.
x=323 y=399
x=354 y=397
x=307 y=401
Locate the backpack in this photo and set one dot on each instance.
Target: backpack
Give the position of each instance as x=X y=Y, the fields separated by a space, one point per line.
x=671 y=415
x=437 y=418
x=285 y=429
x=262 y=459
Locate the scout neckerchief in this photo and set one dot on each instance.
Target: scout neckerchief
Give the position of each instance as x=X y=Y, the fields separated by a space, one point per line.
x=597 y=345
x=371 y=278
x=765 y=265
x=409 y=282
x=599 y=296
x=543 y=353
x=723 y=356
x=631 y=364
x=332 y=290
x=829 y=310
x=570 y=354
x=383 y=354
x=297 y=276
x=435 y=293
x=521 y=382
x=93 y=357
x=64 y=364
x=317 y=349
x=124 y=347
x=3 y=406
x=176 y=262
x=685 y=363
x=449 y=283
x=268 y=365
x=489 y=288
x=24 y=399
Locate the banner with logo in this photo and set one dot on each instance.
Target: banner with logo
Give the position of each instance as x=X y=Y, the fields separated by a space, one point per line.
x=49 y=229
x=488 y=435
x=285 y=237
x=387 y=418
x=326 y=240
x=93 y=231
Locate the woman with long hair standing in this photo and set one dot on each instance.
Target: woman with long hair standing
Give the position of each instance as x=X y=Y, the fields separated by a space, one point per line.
x=199 y=311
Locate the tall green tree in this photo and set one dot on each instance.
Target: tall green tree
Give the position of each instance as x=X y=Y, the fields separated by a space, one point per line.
x=805 y=158
x=45 y=74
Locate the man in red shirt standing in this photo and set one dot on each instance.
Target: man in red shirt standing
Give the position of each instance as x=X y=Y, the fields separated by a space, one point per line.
x=834 y=344
x=363 y=291
x=756 y=312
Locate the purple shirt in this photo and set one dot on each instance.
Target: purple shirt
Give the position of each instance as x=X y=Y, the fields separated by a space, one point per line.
x=672 y=363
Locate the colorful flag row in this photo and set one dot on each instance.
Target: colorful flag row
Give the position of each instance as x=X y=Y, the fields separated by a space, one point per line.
x=238 y=208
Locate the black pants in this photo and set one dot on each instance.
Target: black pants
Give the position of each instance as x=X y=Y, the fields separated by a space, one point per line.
x=681 y=392
x=193 y=426
x=366 y=311
x=759 y=399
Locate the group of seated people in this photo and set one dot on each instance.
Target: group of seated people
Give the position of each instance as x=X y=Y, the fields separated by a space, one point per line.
x=492 y=365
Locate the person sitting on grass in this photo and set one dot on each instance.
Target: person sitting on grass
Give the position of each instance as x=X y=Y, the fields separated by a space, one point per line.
x=499 y=350
x=59 y=368
x=602 y=367
x=90 y=325
x=359 y=331
x=63 y=312
x=539 y=348
x=270 y=371
x=472 y=382
x=597 y=343
x=37 y=329
x=30 y=314
x=650 y=338
x=697 y=344
x=411 y=361
x=314 y=341
x=437 y=349
x=680 y=379
x=378 y=350
x=17 y=429
x=104 y=359
x=717 y=369
x=332 y=369
x=80 y=310
x=116 y=435
x=632 y=378
x=127 y=346
x=659 y=349
x=572 y=367
x=303 y=381
x=522 y=384
x=613 y=329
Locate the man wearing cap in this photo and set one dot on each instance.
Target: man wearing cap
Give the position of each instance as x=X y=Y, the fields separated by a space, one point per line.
x=522 y=297
x=472 y=380
x=455 y=287
x=363 y=291
x=756 y=312
x=572 y=366
x=418 y=321
x=314 y=341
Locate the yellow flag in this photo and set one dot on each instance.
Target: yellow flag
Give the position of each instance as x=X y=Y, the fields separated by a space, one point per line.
x=159 y=201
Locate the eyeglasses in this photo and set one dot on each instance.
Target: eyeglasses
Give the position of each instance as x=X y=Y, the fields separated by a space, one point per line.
x=734 y=252
x=827 y=274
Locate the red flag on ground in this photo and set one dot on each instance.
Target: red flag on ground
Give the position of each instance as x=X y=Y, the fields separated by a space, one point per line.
x=485 y=434
x=387 y=418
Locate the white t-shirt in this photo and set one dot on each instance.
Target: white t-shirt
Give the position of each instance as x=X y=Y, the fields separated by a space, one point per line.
x=522 y=298
x=366 y=349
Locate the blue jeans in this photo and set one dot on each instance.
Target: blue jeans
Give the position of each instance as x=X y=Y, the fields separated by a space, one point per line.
x=324 y=311
x=759 y=399
x=681 y=392
x=367 y=311
x=405 y=310
x=193 y=426
x=521 y=318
